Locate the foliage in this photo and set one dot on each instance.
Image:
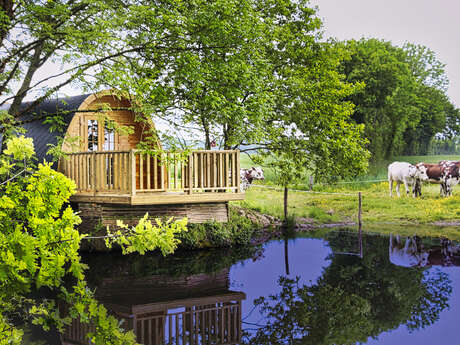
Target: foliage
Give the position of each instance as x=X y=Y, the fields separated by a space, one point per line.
x=145 y=236
x=403 y=103
x=20 y=148
x=17 y=155
x=39 y=249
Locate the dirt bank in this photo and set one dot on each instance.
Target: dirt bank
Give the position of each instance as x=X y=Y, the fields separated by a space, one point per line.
x=272 y=227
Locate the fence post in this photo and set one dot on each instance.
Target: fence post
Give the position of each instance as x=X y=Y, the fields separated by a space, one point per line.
x=311 y=182
x=359 y=209
x=360 y=238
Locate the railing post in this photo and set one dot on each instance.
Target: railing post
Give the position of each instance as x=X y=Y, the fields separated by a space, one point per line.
x=94 y=172
x=237 y=171
x=132 y=172
x=190 y=173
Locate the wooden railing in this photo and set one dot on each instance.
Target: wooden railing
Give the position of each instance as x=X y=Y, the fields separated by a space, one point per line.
x=131 y=172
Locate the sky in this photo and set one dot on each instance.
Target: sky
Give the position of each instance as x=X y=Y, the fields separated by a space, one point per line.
x=434 y=24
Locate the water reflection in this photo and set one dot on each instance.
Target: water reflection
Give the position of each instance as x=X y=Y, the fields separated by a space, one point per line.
x=352 y=301
x=412 y=252
x=305 y=291
x=197 y=308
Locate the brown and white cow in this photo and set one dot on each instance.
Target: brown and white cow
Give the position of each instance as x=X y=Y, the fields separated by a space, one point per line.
x=451 y=175
x=248 y=175
x=445 y=173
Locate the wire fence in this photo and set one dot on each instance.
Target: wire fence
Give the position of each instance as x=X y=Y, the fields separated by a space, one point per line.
x=301 y=190
x=357 y=182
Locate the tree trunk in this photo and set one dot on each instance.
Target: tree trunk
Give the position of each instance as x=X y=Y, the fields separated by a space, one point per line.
x=207 y=144
x=35 y=63
x=286 y=255
x=6 y=6
x=285 y=204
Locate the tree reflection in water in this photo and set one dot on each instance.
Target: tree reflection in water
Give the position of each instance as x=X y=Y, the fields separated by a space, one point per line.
x=353 y=300
x=186 y=298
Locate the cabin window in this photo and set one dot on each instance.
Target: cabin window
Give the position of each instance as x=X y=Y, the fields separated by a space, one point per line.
x=93 y=136
x=109 y=139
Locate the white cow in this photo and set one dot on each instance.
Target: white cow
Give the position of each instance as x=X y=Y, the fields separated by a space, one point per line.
x=409 y=254
x=403 y=172
x=248 y=175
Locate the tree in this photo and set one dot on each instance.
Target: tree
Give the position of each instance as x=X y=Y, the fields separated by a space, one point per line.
x=212 y=82
x=310 y=128
x=93 y=40
x=35 y=33
x=403 y=103
x=39 y=249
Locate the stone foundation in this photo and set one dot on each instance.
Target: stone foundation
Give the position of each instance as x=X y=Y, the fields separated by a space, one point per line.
x=96 y=217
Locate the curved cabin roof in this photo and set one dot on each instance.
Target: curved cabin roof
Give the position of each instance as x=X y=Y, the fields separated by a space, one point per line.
x=40 y=131
x=69 y=108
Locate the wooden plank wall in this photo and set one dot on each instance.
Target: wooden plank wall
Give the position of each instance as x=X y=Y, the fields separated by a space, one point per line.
x=107 y=214
x=78 y=127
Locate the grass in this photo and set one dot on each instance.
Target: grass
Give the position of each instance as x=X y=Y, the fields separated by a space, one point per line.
x=343 y=206
x=335 y=203
x=380 y=213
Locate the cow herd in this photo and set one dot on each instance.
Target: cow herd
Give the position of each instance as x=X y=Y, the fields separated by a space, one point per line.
x=444 y=173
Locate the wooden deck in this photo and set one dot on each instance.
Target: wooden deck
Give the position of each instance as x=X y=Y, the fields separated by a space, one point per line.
x=154 y=178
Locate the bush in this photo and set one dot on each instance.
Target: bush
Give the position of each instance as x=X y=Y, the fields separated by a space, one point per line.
x=194 y=238
x=237 y=231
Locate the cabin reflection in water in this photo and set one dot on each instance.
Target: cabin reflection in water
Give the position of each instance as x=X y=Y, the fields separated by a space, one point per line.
x=197 y=309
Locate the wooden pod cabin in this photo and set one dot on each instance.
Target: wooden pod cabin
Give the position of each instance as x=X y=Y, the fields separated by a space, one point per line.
x=115 y=180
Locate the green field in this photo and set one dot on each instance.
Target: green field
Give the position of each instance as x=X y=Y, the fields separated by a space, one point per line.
x=377 y=171
x=331 y=203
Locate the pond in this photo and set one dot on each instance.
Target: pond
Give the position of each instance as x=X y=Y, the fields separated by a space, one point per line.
x=312 y=289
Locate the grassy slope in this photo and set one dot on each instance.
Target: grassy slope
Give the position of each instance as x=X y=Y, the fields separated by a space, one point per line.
x=378 y=207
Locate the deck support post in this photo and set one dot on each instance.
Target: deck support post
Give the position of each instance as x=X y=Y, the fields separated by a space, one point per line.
x=132 y=172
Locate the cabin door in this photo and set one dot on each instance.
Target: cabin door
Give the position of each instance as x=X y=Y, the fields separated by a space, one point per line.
x=97 y=137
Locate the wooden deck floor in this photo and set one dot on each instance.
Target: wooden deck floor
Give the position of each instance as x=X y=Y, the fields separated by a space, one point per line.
x=159 y=198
